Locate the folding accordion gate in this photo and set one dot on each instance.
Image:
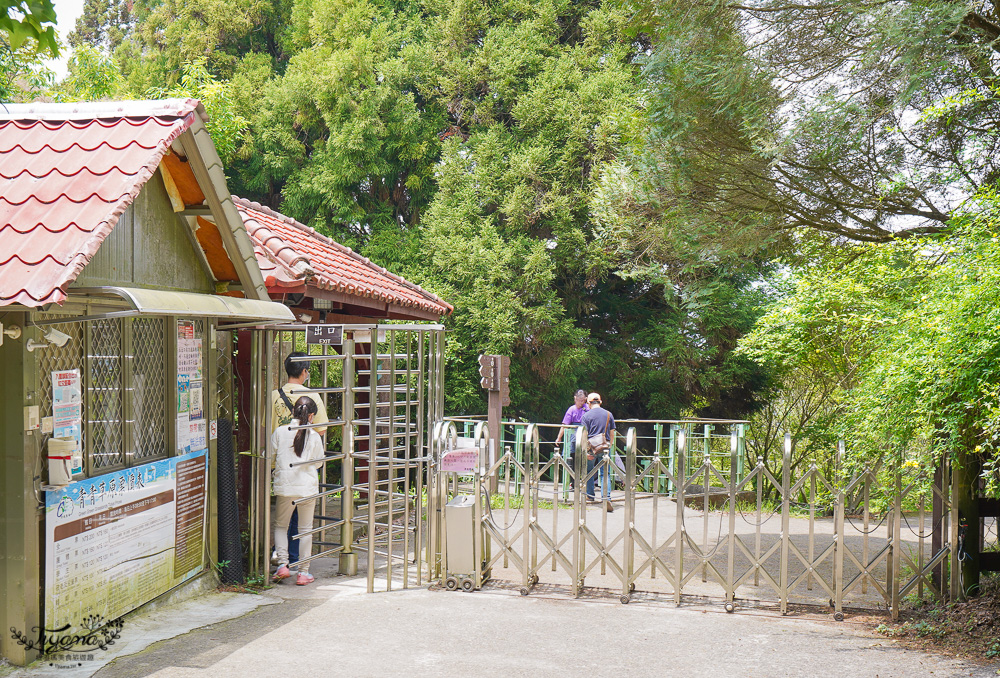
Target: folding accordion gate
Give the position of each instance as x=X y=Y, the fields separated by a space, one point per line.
x=703 y=522
x=383 y=389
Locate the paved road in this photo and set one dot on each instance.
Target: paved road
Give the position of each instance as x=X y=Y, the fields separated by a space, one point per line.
x=334 y=628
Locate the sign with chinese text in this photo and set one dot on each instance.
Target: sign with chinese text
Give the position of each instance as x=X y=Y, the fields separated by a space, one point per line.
x=460 y=461
x=67 y=410
x=325 y=335
x=116 y=541
x=191 y=424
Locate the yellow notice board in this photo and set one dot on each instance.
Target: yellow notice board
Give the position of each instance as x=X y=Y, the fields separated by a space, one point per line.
x=119 y=540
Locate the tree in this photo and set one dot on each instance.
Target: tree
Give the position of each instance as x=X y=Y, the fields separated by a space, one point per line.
x=865 y=123
x=225 y=125
x=103 y=25
x=93 y=76
x=22 y=72
x=820 y=339
x=463 y=145
x=26 y=37
x=152 y=41
x=30 y=22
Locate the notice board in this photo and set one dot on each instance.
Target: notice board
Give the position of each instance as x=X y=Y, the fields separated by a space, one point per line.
x=116 y=541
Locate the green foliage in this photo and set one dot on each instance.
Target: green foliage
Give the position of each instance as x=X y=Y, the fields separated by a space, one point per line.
x=908 y=334
x=477 y=147
x=225 y=125
x=31 y=23
x=863 y=121
x=22 y=72
x=103 y=24
x=92 y=76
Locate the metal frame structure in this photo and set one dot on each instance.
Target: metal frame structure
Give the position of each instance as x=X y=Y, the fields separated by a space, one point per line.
x=857 y=537
x=373 y=499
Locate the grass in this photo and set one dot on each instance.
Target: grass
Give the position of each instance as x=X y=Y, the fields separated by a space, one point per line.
x=497 y=501
x=968 y=629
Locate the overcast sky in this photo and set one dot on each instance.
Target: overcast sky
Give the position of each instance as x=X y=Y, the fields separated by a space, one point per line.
x=67 y=12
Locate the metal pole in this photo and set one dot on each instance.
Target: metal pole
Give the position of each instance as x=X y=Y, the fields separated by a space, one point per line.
x=580 y=464
x=477 y=531
x=895 y=548
x=628 y=562
x=529 y=450
x=786 y=466
x=348 y=557
x=390 y=483
x=679 y=532
x=731 y=564
x=706 y=461
x=372 y=445
x=838 y=536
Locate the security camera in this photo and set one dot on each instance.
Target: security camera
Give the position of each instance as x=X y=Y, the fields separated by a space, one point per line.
x=51 y=338
x=54 y=336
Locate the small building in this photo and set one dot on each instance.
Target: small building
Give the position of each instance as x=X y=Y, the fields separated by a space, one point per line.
x=322 y=282
x=123 y=258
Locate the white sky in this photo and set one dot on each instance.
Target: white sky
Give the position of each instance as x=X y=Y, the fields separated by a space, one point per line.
x=67 y=12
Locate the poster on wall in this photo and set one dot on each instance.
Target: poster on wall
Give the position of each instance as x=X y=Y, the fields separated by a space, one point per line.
x=116 y=541
x=67 y=412
x=191 y=423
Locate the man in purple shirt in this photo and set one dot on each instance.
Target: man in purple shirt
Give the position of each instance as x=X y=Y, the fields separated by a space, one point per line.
x=572 y=419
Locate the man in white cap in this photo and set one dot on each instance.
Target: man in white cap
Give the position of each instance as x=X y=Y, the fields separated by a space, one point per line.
x=600 y=425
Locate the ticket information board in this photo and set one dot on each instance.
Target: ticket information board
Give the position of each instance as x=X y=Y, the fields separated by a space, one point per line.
x=116 y=541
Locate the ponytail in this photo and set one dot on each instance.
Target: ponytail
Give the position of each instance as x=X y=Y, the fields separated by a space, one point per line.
x=304 y=406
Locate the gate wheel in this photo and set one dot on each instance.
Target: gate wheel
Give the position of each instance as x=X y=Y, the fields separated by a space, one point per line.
x=838 y=616
x=730 y=608
x=451 y=583
x=631 y=587
x=625 y=599
x=468 y=585
x=534 y=579
x=524 y=590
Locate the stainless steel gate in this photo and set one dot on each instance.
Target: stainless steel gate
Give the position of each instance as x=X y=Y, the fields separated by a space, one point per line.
x=696 y=520
x=383 y=387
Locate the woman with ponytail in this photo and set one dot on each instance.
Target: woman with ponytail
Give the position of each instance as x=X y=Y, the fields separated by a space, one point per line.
x=294 y=480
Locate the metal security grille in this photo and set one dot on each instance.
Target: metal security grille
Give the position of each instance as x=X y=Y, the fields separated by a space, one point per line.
x=57 y=358
x=105 y=389
x=224 y=375
x=149 y=432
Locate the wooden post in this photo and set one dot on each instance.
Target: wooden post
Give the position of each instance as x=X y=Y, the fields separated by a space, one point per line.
x=494 y=411
x=937 y=524
x=494 y=371
x=966 y=484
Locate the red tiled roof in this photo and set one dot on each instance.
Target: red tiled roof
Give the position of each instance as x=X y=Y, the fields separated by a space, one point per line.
x=290 y=253
x=67 y=173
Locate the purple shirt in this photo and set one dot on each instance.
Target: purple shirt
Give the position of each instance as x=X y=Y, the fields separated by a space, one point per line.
x=574 y=415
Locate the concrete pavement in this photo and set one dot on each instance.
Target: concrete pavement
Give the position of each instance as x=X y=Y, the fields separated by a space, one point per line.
x=334 y=628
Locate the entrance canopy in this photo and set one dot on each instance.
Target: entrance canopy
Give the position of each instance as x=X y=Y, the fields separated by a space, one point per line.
x=185 y=304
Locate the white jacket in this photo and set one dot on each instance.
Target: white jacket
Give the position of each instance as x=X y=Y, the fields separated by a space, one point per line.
x=295 y=481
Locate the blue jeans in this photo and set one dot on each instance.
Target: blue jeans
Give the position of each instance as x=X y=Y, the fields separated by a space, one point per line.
x=293 y=544
x=601 y=476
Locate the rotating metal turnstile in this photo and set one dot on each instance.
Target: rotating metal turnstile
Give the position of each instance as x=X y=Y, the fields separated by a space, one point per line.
x=383 y=386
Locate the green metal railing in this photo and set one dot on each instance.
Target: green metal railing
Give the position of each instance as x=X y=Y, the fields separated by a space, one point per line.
x=656 y=439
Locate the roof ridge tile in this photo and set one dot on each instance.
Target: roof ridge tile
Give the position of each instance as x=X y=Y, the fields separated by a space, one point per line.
x=431 y=298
